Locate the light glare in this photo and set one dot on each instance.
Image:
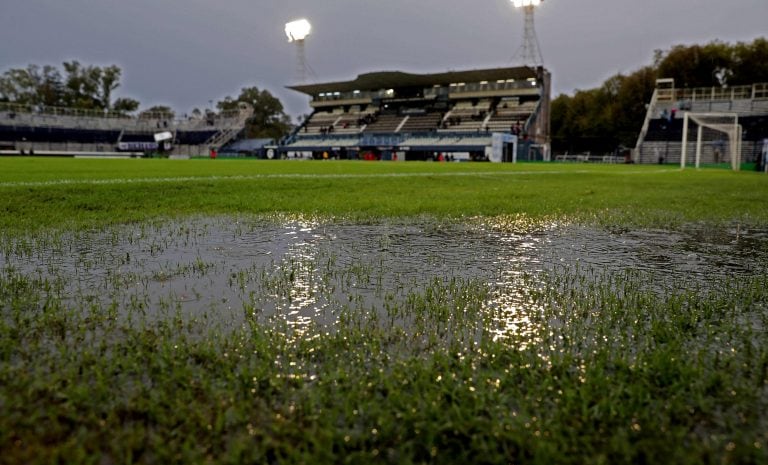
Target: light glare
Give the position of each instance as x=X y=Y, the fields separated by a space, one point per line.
x=298 y=30
x=523 y=3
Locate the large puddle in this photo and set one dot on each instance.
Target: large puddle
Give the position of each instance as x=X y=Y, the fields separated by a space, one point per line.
x=308 y=273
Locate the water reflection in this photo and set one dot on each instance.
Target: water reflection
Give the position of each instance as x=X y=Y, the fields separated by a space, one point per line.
x=309 y=273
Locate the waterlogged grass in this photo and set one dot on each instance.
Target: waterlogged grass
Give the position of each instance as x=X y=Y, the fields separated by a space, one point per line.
x=577 y=366
x=45 y=193
x=608 y=372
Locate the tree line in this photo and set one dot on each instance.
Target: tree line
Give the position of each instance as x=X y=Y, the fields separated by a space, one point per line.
x=608 y=117
x=90 y=87
x=74 y=86
x=600 y=120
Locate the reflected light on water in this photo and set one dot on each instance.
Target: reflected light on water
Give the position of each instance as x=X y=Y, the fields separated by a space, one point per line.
x=306 y=273
x=304 y=306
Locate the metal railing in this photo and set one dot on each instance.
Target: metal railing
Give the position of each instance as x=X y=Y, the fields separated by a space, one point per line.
x=646 y=124
x=94 y=113
x=44 y=116
x=760 y=91
x=430 y=92
x=755 y=91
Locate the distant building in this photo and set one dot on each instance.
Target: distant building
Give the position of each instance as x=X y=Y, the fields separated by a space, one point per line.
x=57 y=131
x=448 y=116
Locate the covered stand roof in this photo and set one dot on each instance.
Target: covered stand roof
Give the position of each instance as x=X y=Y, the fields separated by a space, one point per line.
x=398 y=79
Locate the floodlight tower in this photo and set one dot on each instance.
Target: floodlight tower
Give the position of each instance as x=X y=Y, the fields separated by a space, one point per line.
x=297 y=32
x=529 y=52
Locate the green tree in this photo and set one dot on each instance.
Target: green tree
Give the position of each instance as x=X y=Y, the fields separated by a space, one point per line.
x=697 y=65
x=157 y=112
x=125 y=105
x=82 y=86
x=269 y=119
x=750 y=62
x=109 y=80
x=77 y=86
x=32 y=86
x=630 y=103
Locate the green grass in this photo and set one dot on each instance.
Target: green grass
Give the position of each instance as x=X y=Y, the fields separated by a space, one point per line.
x=642 y=195
x=612 y=372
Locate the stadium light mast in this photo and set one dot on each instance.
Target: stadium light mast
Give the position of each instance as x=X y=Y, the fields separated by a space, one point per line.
x=529 y=52
x=297 y=32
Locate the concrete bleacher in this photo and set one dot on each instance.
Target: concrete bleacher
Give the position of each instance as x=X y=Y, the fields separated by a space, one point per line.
x=466 y=116
x=463 y=116
x=385 y=123
x=338 y=121
x=510 y=113
x=354 y=120
x=40 y=130
x=321 y=121
x=421 y=123
x=660 y=139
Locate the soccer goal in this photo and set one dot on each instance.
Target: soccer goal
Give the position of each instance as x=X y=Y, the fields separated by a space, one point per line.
x=718 y=139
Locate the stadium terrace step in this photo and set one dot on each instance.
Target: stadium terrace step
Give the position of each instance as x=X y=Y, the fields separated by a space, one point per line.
x=385 y=123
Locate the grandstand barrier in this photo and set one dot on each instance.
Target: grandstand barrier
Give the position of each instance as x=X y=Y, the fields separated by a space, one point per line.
x=71 y=154
x=585 y=158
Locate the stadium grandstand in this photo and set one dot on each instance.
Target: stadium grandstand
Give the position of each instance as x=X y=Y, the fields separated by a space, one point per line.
x=53 y=131
x=662 y=134
x=457 y=115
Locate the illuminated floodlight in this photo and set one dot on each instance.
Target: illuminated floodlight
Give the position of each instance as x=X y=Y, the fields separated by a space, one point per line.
x=298 y=30
x=529 y=52
x=524 y=3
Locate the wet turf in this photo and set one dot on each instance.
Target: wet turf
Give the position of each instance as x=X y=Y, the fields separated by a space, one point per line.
x=664 y=360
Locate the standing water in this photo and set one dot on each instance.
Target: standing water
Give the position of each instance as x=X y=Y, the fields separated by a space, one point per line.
x=314 y=273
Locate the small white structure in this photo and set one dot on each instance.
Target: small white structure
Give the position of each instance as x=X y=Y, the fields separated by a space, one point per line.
x=765 y=155
x=503 y=148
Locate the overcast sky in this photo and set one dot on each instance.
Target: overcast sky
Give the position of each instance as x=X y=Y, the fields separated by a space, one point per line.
x=184 y=53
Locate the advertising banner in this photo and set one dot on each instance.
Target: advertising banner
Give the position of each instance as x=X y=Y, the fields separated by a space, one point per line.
x=137 y=146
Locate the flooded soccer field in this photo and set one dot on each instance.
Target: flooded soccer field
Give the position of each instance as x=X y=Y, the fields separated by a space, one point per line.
x=494 y=315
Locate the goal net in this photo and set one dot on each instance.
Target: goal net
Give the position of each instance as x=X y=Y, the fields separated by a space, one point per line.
x=711 y=138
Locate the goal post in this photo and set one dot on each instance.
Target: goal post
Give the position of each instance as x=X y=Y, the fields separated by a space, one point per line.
x=718 y=137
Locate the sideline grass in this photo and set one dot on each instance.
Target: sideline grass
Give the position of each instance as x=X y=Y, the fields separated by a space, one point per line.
x=613 y=372
x=639 y=195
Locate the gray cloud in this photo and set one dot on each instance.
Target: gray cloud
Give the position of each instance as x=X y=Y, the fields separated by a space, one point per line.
x=187 y=52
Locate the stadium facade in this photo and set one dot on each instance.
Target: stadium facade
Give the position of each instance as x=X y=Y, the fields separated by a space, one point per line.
x=461 y=115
